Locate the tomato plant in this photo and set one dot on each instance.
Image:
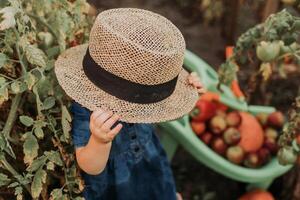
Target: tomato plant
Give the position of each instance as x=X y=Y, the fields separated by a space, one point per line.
x=36 y=157
x=267 y=47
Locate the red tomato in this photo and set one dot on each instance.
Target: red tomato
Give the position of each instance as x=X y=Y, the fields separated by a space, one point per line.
x=204 y=110
x=198 y=127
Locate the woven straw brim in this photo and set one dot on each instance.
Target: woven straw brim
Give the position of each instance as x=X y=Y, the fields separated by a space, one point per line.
x=71 y=77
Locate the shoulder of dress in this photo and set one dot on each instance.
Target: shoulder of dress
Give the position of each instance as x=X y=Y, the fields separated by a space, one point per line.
x=77 y=108
x=145 y=126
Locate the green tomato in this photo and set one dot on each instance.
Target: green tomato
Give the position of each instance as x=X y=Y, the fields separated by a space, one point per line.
x=268 y=51
x=289 y=49
x=46 y=37
x=287 y=155
x=41 y=35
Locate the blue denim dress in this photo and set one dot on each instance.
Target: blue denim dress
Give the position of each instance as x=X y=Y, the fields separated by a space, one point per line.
x=137 y=167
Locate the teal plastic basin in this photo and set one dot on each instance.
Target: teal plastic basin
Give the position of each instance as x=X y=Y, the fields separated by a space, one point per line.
x=209 y=78
x=179 y=132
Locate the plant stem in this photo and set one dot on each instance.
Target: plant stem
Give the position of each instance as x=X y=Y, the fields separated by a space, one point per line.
x=23 y=65
x=17 y=99
x=9 y=168
x=56 y=142
x=12 y=115
x=7 y=77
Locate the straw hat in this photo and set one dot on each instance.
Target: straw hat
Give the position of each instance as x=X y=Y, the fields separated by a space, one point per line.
x=132 y=65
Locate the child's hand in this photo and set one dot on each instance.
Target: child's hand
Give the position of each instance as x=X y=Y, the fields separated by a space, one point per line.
x=194 y=80
x=100 y=125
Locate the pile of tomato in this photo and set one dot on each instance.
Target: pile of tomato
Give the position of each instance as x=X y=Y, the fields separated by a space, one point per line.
x=241 y=137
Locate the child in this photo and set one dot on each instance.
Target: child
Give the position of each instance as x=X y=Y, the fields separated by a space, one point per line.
x=128 y=76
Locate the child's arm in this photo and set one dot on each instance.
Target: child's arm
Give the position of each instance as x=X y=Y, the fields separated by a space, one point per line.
x=93 y=157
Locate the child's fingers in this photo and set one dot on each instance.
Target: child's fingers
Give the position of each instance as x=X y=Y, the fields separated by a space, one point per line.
x=178 y=196
x=194 y=74
x=196 y=79
x=197 y=84
x=112 y=134
x=192 y=79
x=108 y=124
x=102 y=118
x=96 y=113
x=201 y=90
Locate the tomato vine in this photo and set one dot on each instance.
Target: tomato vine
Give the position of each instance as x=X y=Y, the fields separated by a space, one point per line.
x=267 y=47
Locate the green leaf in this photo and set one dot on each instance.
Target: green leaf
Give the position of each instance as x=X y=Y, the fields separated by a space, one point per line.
x=54 y=157
x=3 y=59
x=7 y=18
x=40 y=123
x=50 y=65
x=37 y=183
x=19 y=192
x=65 y=121
x=56 y=194
x=4 y=180
x=18 y=87
x=23 y=42
x=9 y=150
x=52 y=52
x=66 y=128
x=79 y=198
x=3 y=3
x=27 y=121
x=39 y=133
x=24 y=179
x=2 y=80
x=15 y=87
x=52 y=123
x=37 y=163
x=2 y=142
x=4 y=92
x=35 y=56
x=209 y=196
x=62 y=41
x=227 y=72
x=50 y=166
x=30 y=148
x=48 y=103
x=5 y=145
x=66 y=114
x=38 y=101
x=295 y=146
x=30 y=80
x=14 y=184
x=38 y=128
x=287 y=155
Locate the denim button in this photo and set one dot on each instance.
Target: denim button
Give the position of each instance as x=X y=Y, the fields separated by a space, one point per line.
x=136 y=149
x=133 y=137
